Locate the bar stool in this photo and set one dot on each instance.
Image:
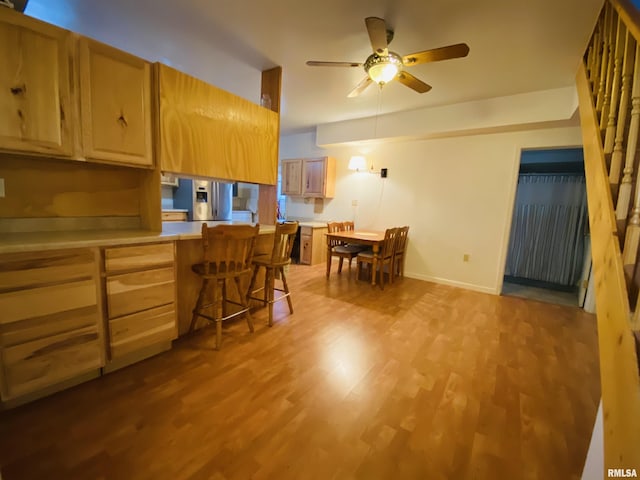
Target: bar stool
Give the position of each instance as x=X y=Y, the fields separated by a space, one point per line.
x=274 y=264
x=228 y=250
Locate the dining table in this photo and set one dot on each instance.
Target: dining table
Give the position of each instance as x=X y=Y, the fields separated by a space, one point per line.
x=371 y=238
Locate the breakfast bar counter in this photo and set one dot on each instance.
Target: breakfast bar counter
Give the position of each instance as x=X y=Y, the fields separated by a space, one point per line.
x=52 y=240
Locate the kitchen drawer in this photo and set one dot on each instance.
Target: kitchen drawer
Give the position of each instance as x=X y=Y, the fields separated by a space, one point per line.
x=174 y=216
x=38 y=364
x=48 y=325
x=139 y=330
x=306 y=231
x=40 y=301
x=19 y=270
x=133 y=292
x=135 y=257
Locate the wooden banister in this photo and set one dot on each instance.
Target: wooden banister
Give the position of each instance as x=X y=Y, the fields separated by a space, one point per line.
x=609 y=95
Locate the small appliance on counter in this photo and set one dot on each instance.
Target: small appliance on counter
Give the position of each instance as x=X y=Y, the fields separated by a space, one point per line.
x=204 y=200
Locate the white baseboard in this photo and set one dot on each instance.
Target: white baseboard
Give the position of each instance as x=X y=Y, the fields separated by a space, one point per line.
x=454 y=283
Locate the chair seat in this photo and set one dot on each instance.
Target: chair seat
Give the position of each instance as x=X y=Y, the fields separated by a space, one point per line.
x=347 y=249
x=366 y=253
x=265 y=261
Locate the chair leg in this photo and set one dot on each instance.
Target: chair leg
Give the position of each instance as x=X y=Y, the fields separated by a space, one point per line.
x=271 y=285
x=286 y=289
x=196 y=310
x=223 y=300
x=245 y=304
x=218 y=319
x=252 y=283
x=380 y=275
x=340 y=265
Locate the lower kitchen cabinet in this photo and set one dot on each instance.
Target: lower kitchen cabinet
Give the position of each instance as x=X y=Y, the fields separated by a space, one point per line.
x=55 y=305
x=313 y=244
x=139 y=287
x=51 y=329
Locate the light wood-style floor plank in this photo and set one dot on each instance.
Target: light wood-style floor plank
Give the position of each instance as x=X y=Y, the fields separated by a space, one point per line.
x=417 y=381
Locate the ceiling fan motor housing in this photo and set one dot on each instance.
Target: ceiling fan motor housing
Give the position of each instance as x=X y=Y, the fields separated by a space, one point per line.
x=383 y=68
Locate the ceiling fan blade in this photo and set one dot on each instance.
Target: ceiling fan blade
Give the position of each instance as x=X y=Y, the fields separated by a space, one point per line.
x=434 y=55
x=366 y=81
x=412 y=82
x=377 y=34
x=313 y=63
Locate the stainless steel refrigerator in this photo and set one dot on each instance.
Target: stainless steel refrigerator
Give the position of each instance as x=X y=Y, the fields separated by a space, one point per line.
x=204 y=200
x=221 y=200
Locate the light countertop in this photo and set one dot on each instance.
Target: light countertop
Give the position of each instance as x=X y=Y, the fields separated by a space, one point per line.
x=308 y=223
x=34 y=241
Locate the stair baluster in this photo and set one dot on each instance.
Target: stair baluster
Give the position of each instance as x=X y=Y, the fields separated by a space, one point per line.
x=623 y=110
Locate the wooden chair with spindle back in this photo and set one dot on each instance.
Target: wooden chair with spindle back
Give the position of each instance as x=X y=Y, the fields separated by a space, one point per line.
x=399 y=252
x=274 y=266
x=385 y=256
x=339 y=248
x=228 y=250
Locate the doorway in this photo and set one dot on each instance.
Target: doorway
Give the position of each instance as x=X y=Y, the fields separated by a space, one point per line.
x=548 y=255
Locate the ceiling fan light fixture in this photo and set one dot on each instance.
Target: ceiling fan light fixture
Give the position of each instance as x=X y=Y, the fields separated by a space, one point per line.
x=383 y=68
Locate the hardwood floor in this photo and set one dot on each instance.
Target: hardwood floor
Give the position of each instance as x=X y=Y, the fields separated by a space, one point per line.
x=419 y=381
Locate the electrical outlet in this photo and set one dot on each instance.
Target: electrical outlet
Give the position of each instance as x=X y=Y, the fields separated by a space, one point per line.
x=1 y=187
x=466 y=257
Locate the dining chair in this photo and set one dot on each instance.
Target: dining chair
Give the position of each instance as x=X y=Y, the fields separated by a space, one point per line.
x=339 y=248
x=399 y=252
x=274 y=266
x=385 y=257
x=227 y=254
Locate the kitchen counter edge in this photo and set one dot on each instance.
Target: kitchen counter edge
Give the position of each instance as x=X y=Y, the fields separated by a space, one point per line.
x=171 y=231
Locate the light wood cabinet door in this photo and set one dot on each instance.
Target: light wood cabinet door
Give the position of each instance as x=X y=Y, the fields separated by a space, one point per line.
x=35 y=86
x=208 y=132
x=115 y=105
x=318 y=177
x=291 y=179
x=306 y=246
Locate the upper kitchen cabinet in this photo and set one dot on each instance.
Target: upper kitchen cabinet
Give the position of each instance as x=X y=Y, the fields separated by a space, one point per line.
x=319 y=177
x=292 y=176
x=208 y=132
x=35 y=86
x=309 y=177
x=115 y=105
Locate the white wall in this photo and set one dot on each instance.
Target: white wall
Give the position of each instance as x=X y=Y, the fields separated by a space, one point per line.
x=455 y=193
x=136 y=27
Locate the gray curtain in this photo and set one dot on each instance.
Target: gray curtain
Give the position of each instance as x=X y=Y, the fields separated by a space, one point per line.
x=547 y=233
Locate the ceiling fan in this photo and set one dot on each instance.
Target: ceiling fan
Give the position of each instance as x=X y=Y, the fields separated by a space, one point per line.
x=383 y=65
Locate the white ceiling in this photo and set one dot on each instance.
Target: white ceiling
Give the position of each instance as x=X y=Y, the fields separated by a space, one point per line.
x=516 y=46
